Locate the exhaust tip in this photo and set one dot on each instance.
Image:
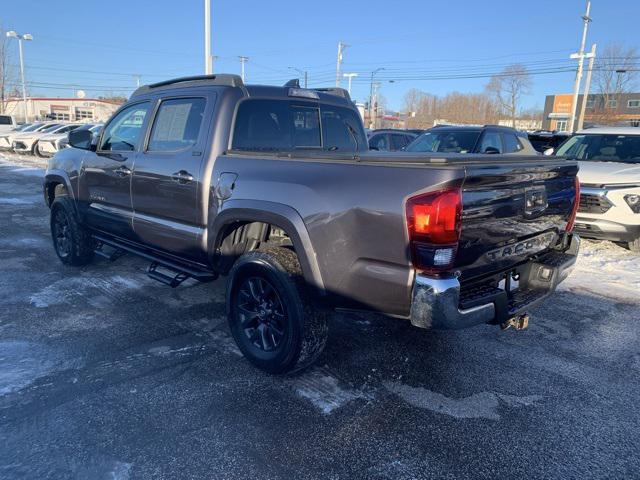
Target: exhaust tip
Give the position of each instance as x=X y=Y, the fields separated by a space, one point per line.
x=519 y=322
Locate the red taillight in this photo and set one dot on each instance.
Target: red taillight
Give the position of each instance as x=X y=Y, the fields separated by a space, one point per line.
x=574 y=209
x=433 y=221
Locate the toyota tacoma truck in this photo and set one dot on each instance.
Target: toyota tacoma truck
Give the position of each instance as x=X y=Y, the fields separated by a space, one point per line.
x=274 y=188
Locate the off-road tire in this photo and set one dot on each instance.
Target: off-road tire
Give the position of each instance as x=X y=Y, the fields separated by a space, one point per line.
x=634 y=246
x=80 y=245
x=306 y=330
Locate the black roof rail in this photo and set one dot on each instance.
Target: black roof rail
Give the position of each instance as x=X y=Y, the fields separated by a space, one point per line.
x=340 y=92
x=217 y=79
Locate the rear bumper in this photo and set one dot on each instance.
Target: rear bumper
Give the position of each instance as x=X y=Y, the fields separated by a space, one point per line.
x=436 y=301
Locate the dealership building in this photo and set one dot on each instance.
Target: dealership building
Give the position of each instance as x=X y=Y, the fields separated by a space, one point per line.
x=62 y=109
x=611 y=109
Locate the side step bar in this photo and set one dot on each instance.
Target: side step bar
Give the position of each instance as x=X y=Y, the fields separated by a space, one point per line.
x=181 y=271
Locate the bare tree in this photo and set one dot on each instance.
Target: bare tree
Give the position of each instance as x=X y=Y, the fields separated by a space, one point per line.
x=508 y=87
x=7 y=71
x=615 y=73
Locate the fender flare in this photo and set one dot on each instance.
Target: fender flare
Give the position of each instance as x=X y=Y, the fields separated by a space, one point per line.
x=57 y=176
x=280 y=215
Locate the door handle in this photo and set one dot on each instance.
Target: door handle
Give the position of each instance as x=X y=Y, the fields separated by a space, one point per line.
x=122 y=172
x=182 y=177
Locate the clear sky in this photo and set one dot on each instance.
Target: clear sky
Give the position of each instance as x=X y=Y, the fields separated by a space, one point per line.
x=99 y=45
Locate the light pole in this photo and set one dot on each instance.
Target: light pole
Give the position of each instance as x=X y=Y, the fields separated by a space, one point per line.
x=304 y=73
x=28 y=37
x=208 y=59
x=243 y=60
x=349 y=76
x=341 y=47
x=587 y=86
x=371 y=93
x=580 y=56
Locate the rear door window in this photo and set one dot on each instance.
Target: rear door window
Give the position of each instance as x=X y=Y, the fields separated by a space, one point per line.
x=379 y=142
x=491 y=143
x=342 y=129
x=399 y=141
x=177 y=124
x=5 y=120
x=511 y=143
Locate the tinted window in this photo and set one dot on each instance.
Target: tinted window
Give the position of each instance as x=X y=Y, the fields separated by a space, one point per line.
x=272 y=125
x=602 y=148
x=511 y=143
x=379 y=142
x=124 y=131
x=5 y=120
x=306 y=127
x=451 y=141
x=342 y=129
x=177 y=124
x=399 y=141
x=491 y=143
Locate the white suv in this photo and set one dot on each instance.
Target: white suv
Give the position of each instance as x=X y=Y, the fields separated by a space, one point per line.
x=609 y=183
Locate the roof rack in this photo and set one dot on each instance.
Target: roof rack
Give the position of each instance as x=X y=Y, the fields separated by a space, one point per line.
x=219 y=79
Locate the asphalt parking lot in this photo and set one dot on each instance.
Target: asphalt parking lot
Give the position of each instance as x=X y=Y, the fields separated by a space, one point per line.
x=106 y=374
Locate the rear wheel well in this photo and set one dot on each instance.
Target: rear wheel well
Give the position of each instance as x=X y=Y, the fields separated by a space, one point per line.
x=238 y=238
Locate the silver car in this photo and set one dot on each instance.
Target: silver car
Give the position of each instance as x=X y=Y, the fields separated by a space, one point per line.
x=51 y=143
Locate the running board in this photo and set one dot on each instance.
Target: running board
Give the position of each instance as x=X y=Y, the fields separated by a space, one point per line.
x=181 y=270
x=172 y=281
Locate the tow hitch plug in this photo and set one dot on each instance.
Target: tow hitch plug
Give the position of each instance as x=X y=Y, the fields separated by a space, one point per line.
x=519 y=322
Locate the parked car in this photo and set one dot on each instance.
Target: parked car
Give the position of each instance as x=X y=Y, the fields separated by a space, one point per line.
x=27 y=142
x=7 y=123
x=609 y=181
x=390 y=140
x=49 y=144
x=276 y=188
x=6 y=139
x=490 y=139
x=543 y=140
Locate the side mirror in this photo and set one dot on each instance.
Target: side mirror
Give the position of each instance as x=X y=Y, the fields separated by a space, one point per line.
x=549 y=151
x=82 y=139
x=491 y=150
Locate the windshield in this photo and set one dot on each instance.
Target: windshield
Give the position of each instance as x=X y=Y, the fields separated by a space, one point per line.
x=32 y=127
x=50 y=128
x=452 y=141
x=602 y=148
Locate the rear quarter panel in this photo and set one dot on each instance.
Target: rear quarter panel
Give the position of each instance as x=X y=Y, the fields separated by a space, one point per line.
x=354 y=214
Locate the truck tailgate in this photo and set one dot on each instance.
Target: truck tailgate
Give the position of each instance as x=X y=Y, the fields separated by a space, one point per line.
x=512 y=211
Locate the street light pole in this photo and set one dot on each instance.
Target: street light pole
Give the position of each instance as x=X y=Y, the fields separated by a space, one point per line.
x=371 y=93
x=580 y=56
x=587 y=86
x=28 y=37
x=243 y=60
x=350 y=77
x=208 y=60
x=341 y=47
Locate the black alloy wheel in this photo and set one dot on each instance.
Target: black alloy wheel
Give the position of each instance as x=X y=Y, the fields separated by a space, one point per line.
x=261 y=313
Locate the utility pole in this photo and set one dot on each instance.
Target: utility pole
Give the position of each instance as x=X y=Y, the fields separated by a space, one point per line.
x=350 y=77
x=208 y=59
x=587 y=86
x=137 y=77
x=243 y=60
x=371 y=94
x=27 y=37
x=341 y=47
x=376 y=89
x=580 y=56
x=304 y=73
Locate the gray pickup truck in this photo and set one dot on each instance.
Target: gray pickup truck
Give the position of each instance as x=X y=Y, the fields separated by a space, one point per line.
x=275 y=188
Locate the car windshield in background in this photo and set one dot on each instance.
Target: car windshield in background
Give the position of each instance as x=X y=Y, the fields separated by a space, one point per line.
x=452 y=141
x=602 y=148
x=50 y=128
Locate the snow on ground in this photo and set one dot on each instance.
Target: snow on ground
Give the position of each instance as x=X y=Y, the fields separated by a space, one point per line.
x=614 y=269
